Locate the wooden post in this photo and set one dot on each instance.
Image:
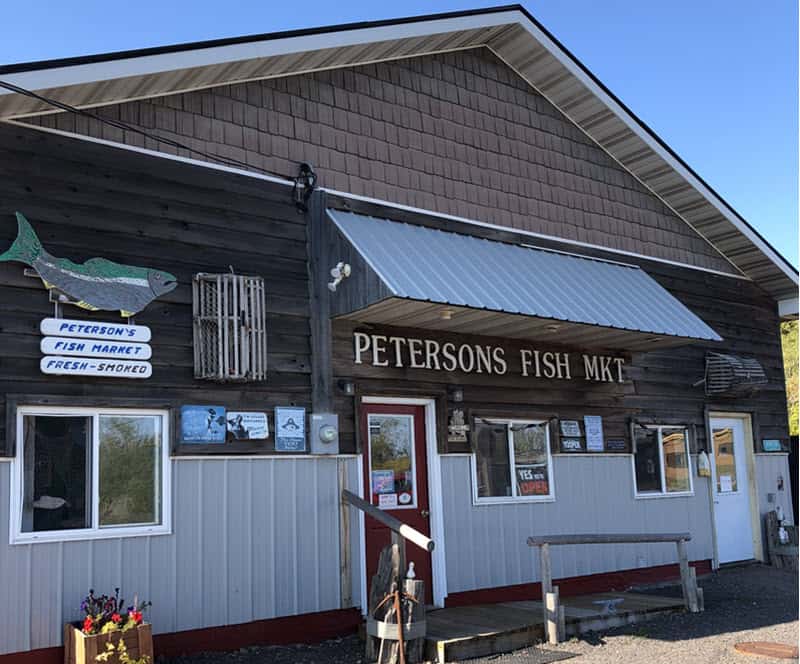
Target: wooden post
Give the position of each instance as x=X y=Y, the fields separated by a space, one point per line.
x=695 y=590
x=689 y=597
x=551 y=609
x=400 y=543
x=415 y=612
x=345 y=562
x=547 y=576
x=562 y=622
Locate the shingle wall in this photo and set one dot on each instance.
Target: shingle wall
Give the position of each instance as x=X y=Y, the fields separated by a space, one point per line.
x=456 y=133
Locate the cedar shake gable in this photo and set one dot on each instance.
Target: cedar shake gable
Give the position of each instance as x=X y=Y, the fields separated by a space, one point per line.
x=509 y=35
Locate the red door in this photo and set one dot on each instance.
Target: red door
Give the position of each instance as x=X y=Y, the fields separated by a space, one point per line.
x=396 y=480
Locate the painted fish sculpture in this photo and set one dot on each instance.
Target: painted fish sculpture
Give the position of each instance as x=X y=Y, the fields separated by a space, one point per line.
x=97 y=284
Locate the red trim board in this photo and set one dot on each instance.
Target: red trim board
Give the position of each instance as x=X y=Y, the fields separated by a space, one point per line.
x=315 y=627
x=305 y=628
x=576 y=585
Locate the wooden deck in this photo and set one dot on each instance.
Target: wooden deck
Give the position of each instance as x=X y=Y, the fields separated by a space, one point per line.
x=476 y=631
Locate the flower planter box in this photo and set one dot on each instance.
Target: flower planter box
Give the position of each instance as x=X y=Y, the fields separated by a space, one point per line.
x=82 y=649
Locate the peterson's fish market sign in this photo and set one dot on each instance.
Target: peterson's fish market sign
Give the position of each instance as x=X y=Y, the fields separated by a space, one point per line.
x=71 y=346
x=382 y=350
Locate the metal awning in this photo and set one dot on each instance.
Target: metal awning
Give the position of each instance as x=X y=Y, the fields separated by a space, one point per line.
x=433 y=279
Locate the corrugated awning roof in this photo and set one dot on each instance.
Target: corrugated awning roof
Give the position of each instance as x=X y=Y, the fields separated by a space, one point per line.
x=427 y=265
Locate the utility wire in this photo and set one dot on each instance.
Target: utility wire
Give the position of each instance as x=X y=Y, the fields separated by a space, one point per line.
x=118 y=124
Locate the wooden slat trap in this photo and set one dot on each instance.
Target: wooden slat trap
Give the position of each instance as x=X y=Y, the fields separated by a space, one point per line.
x=230 y=330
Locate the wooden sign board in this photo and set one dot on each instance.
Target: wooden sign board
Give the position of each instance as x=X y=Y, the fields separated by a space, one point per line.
x=65 y=327
x=95 y=348
x=106 y=368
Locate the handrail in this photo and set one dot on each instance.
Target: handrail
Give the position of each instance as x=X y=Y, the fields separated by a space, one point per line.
x=553 y=612
x=403 y=529
x=619 y=538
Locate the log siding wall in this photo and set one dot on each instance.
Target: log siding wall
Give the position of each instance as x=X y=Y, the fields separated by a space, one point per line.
x=86 y=200
x=456 y=133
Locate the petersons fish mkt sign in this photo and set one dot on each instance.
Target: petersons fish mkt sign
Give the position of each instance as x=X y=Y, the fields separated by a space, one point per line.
x=382 y=350
x=83 y=348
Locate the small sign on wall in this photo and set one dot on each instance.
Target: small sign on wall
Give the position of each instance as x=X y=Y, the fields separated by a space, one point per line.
x=203 y=425
x=570 y=428
x=247 y=426
x=290 y=429
x=771 y=445
x=616 y=445
x=571 y=445
x=593 y=424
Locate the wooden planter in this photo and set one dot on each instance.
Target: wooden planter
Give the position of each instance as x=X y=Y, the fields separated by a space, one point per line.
x=82 y=649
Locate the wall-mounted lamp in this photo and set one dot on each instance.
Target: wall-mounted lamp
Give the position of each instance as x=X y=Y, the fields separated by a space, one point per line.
x=446 y=314
x=456 y=394
x=339 y=273
x=346 y=386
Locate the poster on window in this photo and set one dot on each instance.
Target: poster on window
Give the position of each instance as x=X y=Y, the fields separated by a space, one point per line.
x=247 y=426
x=203 y=425
x=532 y=481
x=593 y=425
x=382 y=481
x=290 y=429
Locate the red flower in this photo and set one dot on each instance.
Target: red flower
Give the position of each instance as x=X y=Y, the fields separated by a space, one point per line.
x=136 y=616
x=88 y=623
x=115 y=617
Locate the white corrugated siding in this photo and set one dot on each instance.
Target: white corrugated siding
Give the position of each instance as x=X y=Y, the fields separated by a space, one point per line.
x=252 y=539
x=594 y=494
x=768 y=468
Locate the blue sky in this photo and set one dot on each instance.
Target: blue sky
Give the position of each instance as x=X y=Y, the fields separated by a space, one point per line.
x=716 y=79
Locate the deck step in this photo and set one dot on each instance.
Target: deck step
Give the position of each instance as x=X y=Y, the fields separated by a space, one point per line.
x=467 y=632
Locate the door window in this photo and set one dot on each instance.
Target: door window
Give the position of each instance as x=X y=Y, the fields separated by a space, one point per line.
x=725 y=460
x=392 y=462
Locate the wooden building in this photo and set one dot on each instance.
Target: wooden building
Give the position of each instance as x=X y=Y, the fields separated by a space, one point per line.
x=496 y=305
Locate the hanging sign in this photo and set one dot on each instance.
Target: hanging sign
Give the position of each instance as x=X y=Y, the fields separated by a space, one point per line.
x=97 y=285
x=247 y=426
x=121 y=349
x=71 y=366
x=84 y=329
x=593 y=425
x=290 y=429
x=203 y=425
x=95 y=348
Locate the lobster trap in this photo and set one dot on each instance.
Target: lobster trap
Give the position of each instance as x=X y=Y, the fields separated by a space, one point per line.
x=230 y=327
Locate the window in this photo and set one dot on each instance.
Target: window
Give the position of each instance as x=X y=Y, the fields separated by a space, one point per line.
x=511 y=461
x=391 y=461
x=85 y=473
x=725 y=460
x=661 y=461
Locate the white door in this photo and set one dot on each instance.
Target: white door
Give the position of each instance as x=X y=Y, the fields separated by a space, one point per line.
x=731 y=491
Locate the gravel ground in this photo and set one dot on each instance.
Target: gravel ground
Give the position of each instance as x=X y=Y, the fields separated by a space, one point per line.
x=754 y=603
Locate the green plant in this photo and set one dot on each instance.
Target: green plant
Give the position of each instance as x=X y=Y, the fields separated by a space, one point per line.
x=121 y=651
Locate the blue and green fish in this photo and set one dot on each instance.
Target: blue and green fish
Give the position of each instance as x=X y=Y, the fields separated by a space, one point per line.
x=97 y=284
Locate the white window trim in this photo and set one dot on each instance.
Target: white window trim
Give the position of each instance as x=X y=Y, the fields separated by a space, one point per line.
x=413 y=504
x=16 y=536
x=514 y=500
x=650 y=495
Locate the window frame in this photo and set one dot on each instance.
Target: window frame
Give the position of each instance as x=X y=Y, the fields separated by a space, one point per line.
x=17 y=536
x=513 y=499
x=663 y=493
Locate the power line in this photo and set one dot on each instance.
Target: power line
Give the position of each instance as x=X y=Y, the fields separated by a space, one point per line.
x=118 y=124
